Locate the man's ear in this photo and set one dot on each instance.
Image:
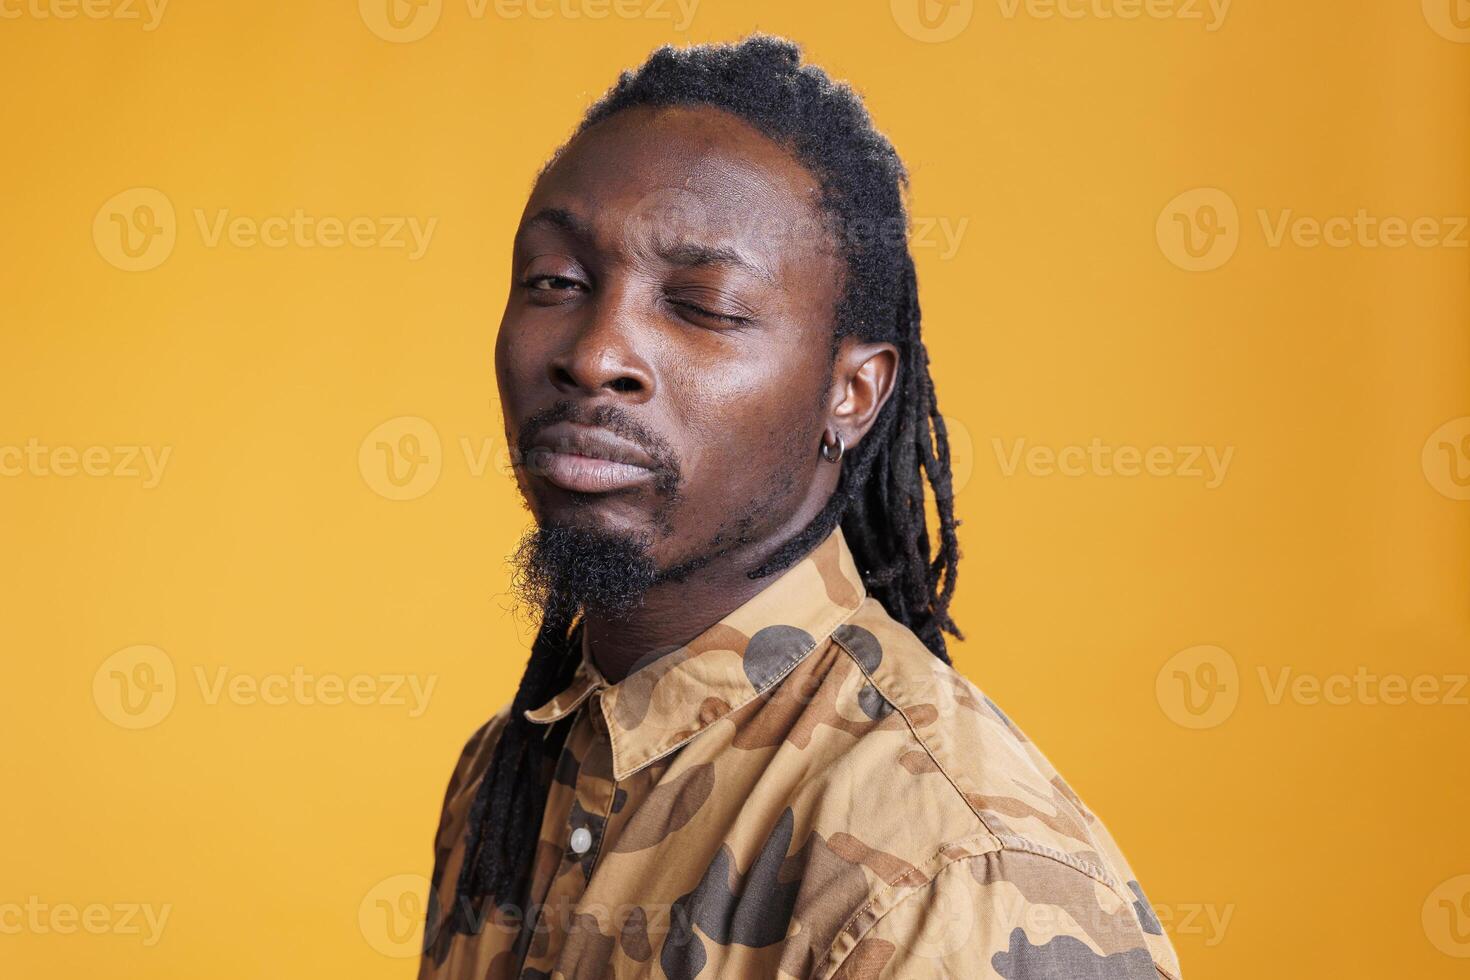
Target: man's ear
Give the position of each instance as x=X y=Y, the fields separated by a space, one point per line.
x=863 y=378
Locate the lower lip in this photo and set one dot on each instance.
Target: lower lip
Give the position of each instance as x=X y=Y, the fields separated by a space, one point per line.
x=586 y=474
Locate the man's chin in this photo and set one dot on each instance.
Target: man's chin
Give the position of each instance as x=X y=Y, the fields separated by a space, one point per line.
x=615 y=514
x=584 y=563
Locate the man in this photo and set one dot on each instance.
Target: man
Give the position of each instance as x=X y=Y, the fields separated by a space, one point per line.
x=739 y=748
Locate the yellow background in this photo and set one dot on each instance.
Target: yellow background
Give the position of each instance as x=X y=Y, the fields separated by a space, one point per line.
x=1322 y=840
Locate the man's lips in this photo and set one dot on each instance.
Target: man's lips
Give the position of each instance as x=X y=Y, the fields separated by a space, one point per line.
x=586 y=459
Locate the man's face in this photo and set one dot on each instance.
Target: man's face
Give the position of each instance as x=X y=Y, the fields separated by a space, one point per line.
x=664 y=356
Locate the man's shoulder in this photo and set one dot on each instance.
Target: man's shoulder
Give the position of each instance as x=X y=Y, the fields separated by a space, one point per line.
x=971 y=798
x=965 y=745
x=966 y=754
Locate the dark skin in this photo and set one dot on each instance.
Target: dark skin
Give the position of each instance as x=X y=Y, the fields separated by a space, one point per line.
x=668 y=264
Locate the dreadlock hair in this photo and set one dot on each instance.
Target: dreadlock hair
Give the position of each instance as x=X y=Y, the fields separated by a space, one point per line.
x=879 y=500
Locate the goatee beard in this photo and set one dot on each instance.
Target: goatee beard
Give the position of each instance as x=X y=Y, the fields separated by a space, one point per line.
x=563 y=569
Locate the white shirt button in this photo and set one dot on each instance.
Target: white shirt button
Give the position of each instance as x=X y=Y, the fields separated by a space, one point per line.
x=581 y=840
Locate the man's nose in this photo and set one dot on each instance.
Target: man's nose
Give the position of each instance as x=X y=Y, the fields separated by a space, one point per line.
x=603 y=352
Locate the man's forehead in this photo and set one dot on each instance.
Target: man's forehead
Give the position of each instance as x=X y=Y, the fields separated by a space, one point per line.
x=680 y=178
x=693 y=145
x=667 y=231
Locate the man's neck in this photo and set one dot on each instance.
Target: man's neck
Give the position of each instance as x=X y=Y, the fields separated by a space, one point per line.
x=673 y=613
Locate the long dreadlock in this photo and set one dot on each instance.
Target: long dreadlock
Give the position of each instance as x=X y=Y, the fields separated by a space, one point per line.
x=879 y=501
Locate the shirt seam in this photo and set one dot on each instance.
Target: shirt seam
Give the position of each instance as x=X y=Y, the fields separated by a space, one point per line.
x=1009 y=841
x=612 y=800
x=913 y=730
x=891 y=888
x=820 y=636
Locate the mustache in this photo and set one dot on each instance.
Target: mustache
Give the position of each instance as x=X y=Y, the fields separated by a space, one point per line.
x=614 y=419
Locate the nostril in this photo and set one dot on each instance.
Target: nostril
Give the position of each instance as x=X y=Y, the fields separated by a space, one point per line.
x=591 y=370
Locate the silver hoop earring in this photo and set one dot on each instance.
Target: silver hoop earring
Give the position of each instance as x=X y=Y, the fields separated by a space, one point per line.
x=827 y=453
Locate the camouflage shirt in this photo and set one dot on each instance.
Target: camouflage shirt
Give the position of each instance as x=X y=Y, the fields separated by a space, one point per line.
x=804 y=790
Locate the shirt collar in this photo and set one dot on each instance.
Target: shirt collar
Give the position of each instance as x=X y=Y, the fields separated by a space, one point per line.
x=672 y=698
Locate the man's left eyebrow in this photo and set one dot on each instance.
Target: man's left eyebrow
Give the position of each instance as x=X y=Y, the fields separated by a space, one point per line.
x=562 y=219
x=692 y=254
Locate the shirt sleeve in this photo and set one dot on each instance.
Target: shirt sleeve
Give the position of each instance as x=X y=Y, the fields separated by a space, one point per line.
x=1015 y=915
x=464 y=782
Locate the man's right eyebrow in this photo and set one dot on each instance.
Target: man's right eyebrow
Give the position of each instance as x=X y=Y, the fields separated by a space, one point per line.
x=561 y=219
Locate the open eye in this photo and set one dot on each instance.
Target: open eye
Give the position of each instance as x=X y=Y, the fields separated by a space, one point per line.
x=549 y=284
